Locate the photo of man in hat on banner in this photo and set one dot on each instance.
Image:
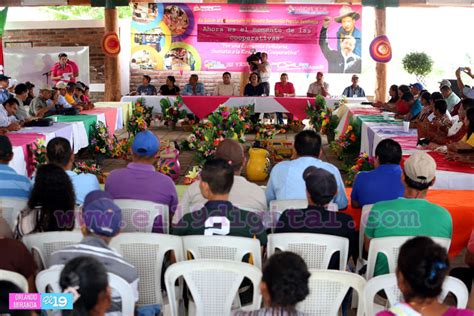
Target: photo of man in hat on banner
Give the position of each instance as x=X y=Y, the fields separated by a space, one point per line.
x=348 y=17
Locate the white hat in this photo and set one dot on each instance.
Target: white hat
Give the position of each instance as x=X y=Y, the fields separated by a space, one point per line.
x=420 y=167
x=444 y=82
x=61 y=85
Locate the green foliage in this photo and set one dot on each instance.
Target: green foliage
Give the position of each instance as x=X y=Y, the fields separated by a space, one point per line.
x=419 y=64
x=83 y=12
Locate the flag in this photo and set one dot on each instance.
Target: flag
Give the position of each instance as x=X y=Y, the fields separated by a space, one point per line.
x=3 y=20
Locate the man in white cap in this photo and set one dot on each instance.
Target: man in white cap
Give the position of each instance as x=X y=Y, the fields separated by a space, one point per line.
x=42 y=103
x=412 y=215
x=61 y=86
x=449 y=96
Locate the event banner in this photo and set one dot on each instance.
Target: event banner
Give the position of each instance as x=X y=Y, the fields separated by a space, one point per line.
x=220 y=37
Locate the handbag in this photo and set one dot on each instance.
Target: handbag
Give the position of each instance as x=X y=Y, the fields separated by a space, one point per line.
x=43 y=122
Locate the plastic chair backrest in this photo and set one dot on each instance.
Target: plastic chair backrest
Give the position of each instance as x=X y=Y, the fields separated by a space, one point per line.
x=223 y=248
x=10 y=208
x=327 y=289
x=213 y=284
x=48 y=242
x=16 y=278
x=388 y=283
x=390 y=247
x=139 y=216
x=315 y=249
x=146 y=252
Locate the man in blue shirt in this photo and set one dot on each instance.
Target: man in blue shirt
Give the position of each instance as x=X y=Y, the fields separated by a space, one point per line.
x=354 y=90
x=286 y=179
x=62 y=87
x=146 y=88
x=60 y=153
x=384 y=183
x=12 y=185
x=4 y=94
x=194 y=87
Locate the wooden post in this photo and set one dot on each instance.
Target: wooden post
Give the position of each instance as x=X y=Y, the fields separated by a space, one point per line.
x=112 y=64
x=380 y=68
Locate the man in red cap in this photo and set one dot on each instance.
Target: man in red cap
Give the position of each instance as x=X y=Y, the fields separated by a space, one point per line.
x=319 y=87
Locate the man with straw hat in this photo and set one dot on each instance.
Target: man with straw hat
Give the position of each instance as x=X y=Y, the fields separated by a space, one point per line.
x=348 y=17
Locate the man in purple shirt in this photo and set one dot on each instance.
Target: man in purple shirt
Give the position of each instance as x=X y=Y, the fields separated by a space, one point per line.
x=139 y=180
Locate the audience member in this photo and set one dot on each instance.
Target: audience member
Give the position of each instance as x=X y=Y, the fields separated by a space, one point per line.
x=86 y=278
x=254 y=88
x=142 y=181
x=243 y=193
x=463 y=151
x=61 y=87
x=394 y=98
x=421 y=122
x=383 y=183
x=69 y=96
x=284 y=88
x=64 y=70
x=51 y=203
x=41 y=106
x=169 y=88
x=81 y=96
x=459 y=128
x=438 y=128
x=416 y=89
x=146 y=88
x=354 y=90
x=412 y=215
x=408 y=108
x=194 y=87
x=97 y=236
x=226 y=88
x=451 y=98
x=286 y=181
x=319 y=87
x=421 y=270
x=4 y=94
x=31 y=93
x=7 y=288
x=284 y=284
x=468 y=92
x=59 y=152
x=21 y=94
x=7 y=115
x=219 y=216
x=264 y=70
x=321 y=188
x=12 y=185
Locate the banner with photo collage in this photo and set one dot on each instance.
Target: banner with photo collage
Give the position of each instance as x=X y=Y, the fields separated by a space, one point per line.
x=220 y=37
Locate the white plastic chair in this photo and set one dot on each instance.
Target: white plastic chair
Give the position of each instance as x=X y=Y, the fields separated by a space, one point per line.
x=15 y=278
x=213 y=284
x=146 y=252
x=363 y=223
x=315 y=249
x=327 y=289
x=388 y=283
x=223 y=248
x=49 y=279
x=139 y=216
x=48 y=242
x=282 y=205
x=390 y=247
x=10 y=208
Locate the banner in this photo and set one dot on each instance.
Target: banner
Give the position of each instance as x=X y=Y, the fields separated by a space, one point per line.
x=220 y=37
x=3 y=20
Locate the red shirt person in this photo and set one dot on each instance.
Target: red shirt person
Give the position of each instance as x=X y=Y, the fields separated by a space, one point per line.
x=284 y=88
x=64 y=70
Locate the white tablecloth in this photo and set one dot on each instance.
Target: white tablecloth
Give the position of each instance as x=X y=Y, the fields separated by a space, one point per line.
x=18 y=162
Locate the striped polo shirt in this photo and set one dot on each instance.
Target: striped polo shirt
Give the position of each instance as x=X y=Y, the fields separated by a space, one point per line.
x=13 y=185
x=114 y=263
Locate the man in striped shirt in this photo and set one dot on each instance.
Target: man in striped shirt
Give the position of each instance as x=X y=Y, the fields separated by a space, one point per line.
x=354 y=90
x=101 y=222
x=12 y=185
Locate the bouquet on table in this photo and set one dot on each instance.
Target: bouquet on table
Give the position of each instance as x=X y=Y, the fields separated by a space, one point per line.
x=314 y=113
x=141 y=117
x=89 y=167
x=192 y=176
x=101 y=144
x=39 y=152
x=362 y=163
x=329 y=122
x=172 y=112
x=123 y=148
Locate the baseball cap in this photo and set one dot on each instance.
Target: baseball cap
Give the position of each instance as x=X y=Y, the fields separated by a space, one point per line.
x=417 y=85
x=5 y=146
x=4 y=78
x=230 y=150
x=45 y=87
x=420 y=167
x=468 y=92
x=319 y=73
x=101 y=215
x=61 y=85
x=355 y=76
x=146 y=144
x=321 y=184
x=444 y=82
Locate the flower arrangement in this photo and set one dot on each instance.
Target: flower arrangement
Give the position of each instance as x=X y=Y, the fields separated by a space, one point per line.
x=224 y=123
x=172 y=112
x=39 y=152
x=89 y=167
x=329 y=122
x=347 y=144
x=101 y=144
x=296 y=126
x=141 y=117
x=314 y=112
x=192 y=176
x=362 y=163
x=122 y=148
x=266 y=132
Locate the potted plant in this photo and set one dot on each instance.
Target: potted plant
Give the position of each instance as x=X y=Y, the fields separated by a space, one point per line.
x=418 y=64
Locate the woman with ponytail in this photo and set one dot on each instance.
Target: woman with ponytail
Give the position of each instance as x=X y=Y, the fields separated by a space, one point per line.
x=422 y=268
x=86 y=278
x=284 y=284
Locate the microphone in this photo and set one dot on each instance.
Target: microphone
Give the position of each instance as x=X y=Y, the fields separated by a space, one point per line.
x=46 y=73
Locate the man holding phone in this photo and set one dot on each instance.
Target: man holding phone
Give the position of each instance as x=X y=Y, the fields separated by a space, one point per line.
x=64 y=70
